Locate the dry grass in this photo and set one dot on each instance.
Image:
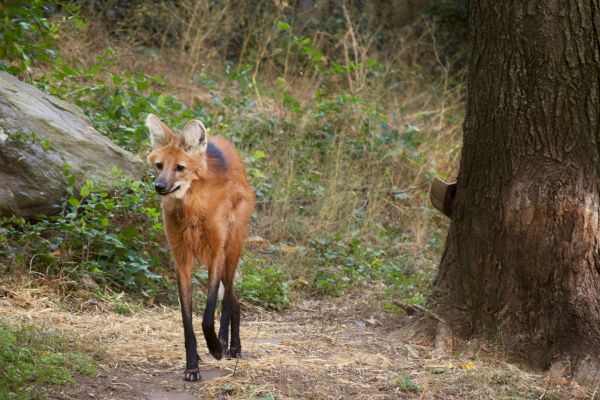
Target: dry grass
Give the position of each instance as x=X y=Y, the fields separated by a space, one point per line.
x=344 y=348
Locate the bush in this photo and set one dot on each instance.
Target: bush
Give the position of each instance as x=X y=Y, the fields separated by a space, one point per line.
x=117 y=104
x=27 y=35
x=110 y=232
x=267 y=287
x=347 y=264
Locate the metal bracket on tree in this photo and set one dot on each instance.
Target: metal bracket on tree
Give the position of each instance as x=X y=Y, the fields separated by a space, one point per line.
x=442 y=194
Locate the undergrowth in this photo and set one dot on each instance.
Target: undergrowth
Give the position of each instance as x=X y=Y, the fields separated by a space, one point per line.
x=30 y=359
x=110 y=233
x=340 y=140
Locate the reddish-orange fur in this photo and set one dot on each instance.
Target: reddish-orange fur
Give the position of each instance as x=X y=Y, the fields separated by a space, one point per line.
x=212 y=218
x=207 y=222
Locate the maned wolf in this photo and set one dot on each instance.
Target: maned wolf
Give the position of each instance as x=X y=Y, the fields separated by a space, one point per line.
x=206 y=205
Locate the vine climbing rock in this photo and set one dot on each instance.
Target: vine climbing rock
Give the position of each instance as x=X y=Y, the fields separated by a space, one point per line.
x=39 y=134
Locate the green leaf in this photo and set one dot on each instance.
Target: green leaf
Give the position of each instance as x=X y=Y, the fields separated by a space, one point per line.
x=283 y=26
x=161 y=101
x=304 y=41
x=142 y=85
x=85 y=190
x=73 y=202
x=14 y=70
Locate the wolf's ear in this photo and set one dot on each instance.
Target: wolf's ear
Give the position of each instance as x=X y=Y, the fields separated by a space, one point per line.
x=193 y=137
x=158 y=135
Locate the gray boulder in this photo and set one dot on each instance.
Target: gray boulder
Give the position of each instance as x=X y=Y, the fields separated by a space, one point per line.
x=39 y=134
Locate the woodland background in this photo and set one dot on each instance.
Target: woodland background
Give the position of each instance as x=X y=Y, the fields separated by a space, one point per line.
x=343 y=112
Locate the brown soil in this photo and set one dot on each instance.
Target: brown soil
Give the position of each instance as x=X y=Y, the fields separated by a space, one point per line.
x=344 y=348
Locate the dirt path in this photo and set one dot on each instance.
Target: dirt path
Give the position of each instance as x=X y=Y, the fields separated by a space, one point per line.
x=343 y=348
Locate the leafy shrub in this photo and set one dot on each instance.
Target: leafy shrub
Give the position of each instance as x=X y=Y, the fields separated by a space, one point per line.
x=110 y=232
x=330 y=282
x=345 y=264
x=27 y=35
x=118 y=104
x=265 y=286
x=354 y=260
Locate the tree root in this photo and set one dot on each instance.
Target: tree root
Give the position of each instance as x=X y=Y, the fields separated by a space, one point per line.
x=443 y=342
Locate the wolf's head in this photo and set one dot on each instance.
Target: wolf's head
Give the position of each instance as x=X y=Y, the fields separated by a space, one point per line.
x=177 y=160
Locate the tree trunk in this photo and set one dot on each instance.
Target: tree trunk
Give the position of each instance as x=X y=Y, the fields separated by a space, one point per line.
x=522 y=257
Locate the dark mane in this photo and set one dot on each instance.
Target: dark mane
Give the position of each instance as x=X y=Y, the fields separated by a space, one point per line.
x=215 y=157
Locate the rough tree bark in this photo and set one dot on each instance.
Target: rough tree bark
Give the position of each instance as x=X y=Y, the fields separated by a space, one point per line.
x=522 y=257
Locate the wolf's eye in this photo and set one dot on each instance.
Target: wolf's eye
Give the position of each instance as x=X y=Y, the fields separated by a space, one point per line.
x=159 y=165
x=179 y=168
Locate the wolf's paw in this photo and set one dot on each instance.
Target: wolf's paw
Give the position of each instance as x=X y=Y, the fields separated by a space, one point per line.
x=234 y=353
x=192 y=375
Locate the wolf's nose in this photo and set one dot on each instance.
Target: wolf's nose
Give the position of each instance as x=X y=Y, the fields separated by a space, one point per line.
x=160 y=187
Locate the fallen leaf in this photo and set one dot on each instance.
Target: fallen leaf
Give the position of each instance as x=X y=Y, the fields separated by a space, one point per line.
x=578 y=391
x=411 y=351
x=468 y=365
